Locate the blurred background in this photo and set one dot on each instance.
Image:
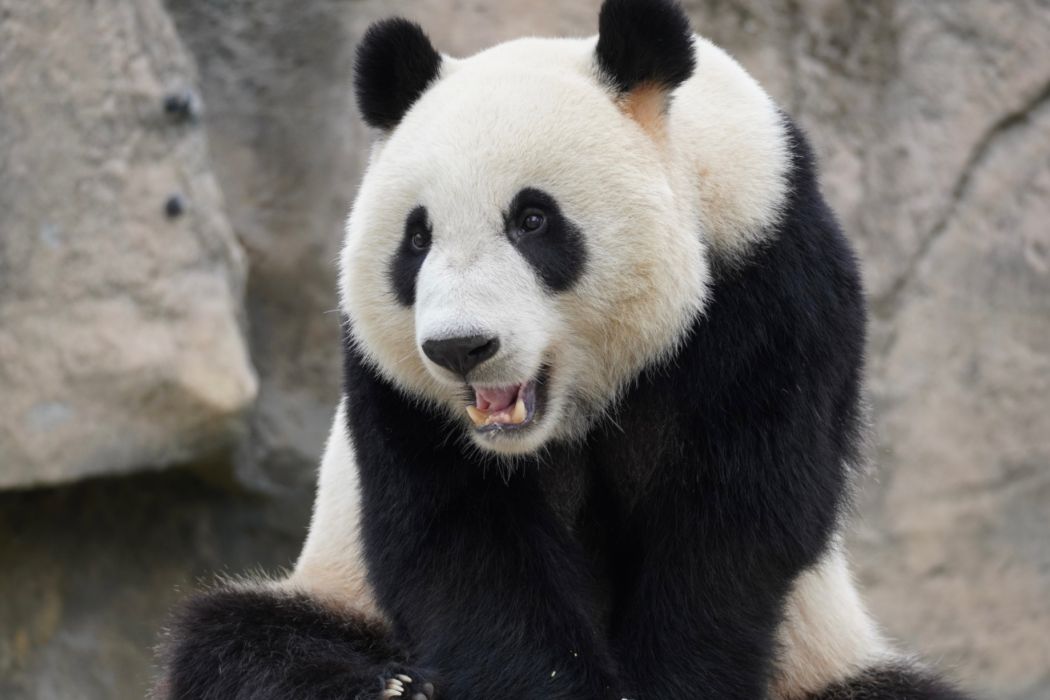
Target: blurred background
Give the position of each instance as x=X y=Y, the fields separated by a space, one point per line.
x=173 y=179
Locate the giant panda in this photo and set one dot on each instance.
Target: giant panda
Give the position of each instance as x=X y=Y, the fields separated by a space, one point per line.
x=603 y=346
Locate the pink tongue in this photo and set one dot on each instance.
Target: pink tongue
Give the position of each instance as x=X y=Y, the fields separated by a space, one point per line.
x=495 y=399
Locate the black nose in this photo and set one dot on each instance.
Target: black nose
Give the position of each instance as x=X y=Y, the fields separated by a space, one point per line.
x=461 y=354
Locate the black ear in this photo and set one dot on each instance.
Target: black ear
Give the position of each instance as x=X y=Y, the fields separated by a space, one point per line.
x=644 y=42
x=395 y=63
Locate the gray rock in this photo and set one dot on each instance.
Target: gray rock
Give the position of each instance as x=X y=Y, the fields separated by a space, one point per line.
x=91 y=572
x=288 y=149
x=120 y=345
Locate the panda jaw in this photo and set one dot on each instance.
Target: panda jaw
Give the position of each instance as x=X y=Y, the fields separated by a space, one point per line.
x=503 y=407
x=509 y=409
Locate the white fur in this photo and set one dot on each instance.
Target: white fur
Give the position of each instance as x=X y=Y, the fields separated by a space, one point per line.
x=331 y=565
x=827 y=634
x=730 y=143
x=532 y=113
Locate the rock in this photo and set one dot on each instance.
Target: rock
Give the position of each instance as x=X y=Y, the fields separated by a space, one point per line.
x=275 y=82
x=92 y=570
x=120 y=340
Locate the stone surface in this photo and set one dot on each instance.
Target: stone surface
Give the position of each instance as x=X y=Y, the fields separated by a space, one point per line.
x=932 y=122
x=287 y=149
x=120 y=346
x=91 y=571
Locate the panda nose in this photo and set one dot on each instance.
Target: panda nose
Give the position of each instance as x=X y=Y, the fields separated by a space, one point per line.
x=461 y=354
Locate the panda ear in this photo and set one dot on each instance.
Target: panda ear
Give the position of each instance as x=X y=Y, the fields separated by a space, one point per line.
x=395 y=64
x=644 y=45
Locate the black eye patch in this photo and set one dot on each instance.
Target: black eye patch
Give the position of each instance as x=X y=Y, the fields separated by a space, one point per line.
x=548 y=241
x=411 y=252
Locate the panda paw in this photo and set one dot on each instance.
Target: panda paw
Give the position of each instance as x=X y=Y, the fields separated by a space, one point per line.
x=404 y=683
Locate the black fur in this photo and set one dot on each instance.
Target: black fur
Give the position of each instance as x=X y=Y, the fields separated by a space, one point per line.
x=404 y=266
x=556 y=251
x=395 y=64
x=266 y=646
x=644 y=42
x=891 y=683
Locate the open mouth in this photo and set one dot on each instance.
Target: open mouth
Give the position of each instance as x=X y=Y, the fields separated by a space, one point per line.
x=509 y=407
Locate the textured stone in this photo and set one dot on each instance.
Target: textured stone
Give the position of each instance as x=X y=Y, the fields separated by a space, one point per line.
x=91 y=571
x=120 y=347
x=287 y=149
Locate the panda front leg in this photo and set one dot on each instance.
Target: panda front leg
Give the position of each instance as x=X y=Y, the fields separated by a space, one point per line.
x=315 y=635
x=476 y=573
x=265 y=643
x=709 y=552
x=491 y=596
x=696 y=623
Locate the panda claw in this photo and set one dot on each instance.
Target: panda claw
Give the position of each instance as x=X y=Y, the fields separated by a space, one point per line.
x=398 y=684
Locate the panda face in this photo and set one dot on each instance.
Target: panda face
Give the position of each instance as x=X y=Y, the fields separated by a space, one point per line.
x=516 y=252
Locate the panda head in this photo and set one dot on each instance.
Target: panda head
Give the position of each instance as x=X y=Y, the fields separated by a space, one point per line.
x=517 y=252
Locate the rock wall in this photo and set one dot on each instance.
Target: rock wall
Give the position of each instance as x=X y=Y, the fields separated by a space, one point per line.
x=121 y=281
x=932 y=122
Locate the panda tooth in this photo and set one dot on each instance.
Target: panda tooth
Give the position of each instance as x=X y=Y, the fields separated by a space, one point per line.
x=476 y=415
x=518 y=415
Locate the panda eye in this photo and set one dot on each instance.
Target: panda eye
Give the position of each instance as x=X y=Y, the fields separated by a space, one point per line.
x=532 y=220
x=420 y=240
